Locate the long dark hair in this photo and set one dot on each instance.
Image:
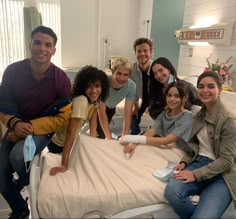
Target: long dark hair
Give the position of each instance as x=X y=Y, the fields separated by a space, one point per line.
x=154 y=84
x=182 y=90
x=155 y=87
x=87 y=75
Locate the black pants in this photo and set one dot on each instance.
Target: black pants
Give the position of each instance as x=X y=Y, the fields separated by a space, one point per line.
x=135 y=128
x=53 y=148
x=110 y=113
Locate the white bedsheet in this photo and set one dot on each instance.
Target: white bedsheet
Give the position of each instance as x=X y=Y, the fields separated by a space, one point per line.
x=100 y=179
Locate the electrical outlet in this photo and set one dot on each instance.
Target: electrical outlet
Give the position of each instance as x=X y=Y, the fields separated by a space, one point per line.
x=190 y=53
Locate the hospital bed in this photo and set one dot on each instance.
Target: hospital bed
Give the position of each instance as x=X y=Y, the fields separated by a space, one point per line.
x=104 y=184
x=130 y=195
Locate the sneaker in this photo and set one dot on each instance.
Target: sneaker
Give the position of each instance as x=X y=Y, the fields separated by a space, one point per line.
x=24 y=214
x=20 y=214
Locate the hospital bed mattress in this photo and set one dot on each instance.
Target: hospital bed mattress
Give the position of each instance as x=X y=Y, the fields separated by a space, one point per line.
x=101 y=181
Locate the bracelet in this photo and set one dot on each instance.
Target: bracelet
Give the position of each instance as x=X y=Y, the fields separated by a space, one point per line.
x=11 y=121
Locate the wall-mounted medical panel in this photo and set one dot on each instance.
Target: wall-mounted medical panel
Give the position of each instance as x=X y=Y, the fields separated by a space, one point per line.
x=219 y=34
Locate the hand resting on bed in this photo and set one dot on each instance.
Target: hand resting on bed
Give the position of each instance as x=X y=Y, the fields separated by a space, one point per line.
x=56 y=170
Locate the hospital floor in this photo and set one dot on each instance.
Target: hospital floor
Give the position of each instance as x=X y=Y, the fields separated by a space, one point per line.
x=4 y=208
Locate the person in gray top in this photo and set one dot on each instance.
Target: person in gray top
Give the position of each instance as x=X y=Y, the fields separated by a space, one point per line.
x=140 y=75
x=174 y=124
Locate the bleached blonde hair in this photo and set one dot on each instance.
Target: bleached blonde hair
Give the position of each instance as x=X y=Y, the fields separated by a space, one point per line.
x=120 y=61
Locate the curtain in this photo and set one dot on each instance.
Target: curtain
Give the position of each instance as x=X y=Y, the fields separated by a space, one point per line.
x=11 y=33
x=32 y=19
x=17 y=19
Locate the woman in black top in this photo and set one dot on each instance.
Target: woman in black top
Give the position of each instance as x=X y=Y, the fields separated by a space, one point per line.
x=162 y=73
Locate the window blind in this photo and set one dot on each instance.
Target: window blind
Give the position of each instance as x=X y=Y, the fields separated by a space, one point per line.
x=12 y=29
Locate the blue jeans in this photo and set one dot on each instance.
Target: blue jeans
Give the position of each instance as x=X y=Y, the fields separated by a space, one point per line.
x=214 y=194
x=12 y=160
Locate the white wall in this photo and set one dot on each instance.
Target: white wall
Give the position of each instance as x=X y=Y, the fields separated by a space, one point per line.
x=85 y=24
x=79 y=32
x=223 y=11
x=145 y=14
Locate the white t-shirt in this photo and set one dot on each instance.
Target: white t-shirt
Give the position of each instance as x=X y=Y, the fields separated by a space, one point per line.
x=205 y=148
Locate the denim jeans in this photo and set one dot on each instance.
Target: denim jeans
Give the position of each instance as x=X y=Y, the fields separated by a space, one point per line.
x=214 y=194
x=12 y=160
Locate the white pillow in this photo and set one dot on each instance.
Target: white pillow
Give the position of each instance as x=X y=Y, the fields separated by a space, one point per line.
x=229 y=100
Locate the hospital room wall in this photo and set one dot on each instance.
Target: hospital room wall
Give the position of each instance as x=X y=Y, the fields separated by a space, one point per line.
x=167 y=16
x=203 y=11
x=85 y=25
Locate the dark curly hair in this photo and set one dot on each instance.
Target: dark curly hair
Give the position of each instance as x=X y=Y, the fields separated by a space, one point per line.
x=87 y=75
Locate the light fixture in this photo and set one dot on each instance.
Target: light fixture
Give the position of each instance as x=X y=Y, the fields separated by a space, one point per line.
x=198 y=43
x=217 y=34
x=205 y=22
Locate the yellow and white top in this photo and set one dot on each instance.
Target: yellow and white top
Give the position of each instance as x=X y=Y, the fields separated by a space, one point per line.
x=81 y=109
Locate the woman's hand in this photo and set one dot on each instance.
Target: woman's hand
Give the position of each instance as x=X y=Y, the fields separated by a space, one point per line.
x=186 y=176
x=180 y=167
x=129 y=148
x=56 y=170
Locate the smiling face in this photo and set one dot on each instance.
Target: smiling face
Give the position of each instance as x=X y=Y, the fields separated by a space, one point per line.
x=143 y=53
x=161 y=73
x=120 y=76
x=42 y=48
x=93 y=91
x=174 y=101
x=208 y=91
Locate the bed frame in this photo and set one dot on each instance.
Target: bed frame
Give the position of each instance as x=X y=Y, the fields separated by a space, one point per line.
x=160 y=210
